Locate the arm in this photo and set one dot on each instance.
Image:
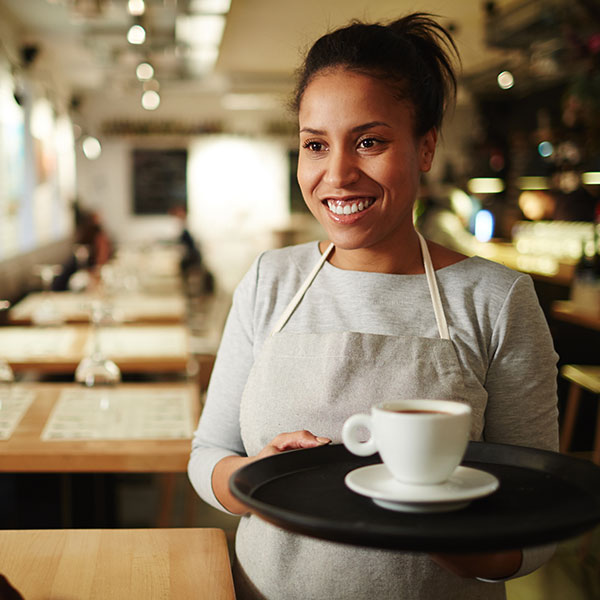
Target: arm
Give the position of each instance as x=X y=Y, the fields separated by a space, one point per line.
x=218 y=434
x=217 y=447
x=521 y=410
x=225 y=468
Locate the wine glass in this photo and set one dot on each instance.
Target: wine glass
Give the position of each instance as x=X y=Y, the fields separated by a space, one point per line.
x=47 y=313
x=6 y=372
x=97 y=369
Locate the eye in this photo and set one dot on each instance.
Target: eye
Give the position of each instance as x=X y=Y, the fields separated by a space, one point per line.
x=313 y=146
x=367 y=143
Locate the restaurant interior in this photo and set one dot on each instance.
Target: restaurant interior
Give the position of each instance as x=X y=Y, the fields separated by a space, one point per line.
x=148 y=155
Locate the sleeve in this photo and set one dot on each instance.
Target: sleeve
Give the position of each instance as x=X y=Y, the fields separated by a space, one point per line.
x=522 y=374
x=521 y=383
x=218 y=433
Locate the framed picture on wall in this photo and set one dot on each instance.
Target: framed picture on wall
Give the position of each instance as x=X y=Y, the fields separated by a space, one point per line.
x=159 y=180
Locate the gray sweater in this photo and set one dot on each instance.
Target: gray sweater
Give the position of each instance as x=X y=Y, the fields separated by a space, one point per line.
x=498 y=329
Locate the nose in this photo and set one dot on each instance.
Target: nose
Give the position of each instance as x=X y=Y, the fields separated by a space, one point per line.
x=341 y=168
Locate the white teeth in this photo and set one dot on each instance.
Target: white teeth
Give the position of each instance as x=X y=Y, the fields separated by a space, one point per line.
x=348 y=209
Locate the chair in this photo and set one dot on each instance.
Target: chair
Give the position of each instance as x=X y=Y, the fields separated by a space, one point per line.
x=582 y=377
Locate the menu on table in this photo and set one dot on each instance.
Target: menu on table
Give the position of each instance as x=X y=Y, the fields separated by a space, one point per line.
x=14 y=403
x=23 y=343
x=118 y=414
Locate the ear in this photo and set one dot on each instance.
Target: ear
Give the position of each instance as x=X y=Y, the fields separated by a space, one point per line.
x=427 y=150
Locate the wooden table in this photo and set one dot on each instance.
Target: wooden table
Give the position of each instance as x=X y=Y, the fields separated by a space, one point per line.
x=565 y=310
x=121 y=564
x=26 y=452
x=135 y=348
x=125 y=308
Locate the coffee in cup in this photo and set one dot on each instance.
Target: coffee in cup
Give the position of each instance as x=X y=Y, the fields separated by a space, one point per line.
x=421 y=442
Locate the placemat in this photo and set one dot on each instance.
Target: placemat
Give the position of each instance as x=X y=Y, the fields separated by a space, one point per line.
x=14 y=403
x=112 y=414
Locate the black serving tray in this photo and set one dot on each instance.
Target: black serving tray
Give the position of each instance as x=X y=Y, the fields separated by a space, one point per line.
x=543 y=497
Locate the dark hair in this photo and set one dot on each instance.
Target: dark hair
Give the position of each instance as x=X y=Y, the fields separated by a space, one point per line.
x=413 y=54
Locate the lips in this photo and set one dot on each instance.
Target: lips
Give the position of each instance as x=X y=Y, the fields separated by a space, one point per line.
x=348 y=206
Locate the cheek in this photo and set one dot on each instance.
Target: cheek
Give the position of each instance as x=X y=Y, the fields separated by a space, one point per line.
x=306 y=178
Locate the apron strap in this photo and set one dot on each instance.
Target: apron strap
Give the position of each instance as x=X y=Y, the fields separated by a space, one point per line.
x=287 y=313
x=434 y=292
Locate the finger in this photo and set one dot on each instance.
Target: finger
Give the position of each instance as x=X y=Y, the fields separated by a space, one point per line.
x=298 y=439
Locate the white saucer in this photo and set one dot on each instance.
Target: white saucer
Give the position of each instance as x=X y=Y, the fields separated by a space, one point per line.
x=464 y=485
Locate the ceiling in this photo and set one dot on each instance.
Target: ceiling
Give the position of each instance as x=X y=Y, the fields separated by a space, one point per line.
x=262 y=43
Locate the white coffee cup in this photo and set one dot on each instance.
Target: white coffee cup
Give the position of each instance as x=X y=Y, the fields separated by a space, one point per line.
x=421 y=442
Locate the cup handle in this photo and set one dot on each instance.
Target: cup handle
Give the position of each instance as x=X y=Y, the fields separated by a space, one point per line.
x=349 y=435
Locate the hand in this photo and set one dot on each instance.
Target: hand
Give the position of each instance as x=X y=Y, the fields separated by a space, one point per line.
x=292 y=441
x=225 y=468
x=491 y=565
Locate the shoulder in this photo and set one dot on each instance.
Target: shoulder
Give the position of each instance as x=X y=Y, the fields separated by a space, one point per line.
x=279 y=261
x=476 y=269
x=279 y=269
x=486 y=288
x=286 y=265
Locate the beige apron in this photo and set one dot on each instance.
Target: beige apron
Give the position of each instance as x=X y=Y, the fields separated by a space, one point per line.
x=315 y=381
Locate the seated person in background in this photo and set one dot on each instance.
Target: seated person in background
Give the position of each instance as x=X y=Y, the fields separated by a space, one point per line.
x=90 y=235
x=191 y=263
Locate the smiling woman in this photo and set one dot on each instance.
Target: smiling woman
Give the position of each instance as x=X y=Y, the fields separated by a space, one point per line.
x=375 y=313
x=359 y=167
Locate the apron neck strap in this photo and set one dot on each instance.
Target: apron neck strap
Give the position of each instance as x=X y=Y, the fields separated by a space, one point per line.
x=434 y=292
x=291 y=307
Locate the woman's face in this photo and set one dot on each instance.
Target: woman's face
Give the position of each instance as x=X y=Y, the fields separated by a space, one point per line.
x=360 y=162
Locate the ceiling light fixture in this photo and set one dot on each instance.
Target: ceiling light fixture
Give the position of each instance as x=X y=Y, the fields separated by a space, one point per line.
x=136 y=8
x=485 y=185
x=136 y=35
x=591 y=178
x=210 y=7
x=200 y=30
x=150 y=100
x=201 y=36
x=144 y=71
x=505 y=80
x=91 y=148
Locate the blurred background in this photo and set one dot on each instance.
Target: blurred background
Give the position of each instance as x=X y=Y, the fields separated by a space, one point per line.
x=131 y=128
x=126 y=109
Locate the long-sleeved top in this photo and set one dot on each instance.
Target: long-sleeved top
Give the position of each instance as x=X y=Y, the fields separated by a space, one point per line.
x=496 y=325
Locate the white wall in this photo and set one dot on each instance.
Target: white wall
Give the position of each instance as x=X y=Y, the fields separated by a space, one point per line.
x=237 y=195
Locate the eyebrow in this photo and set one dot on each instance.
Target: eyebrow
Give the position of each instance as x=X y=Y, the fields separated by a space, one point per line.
x=356 y=129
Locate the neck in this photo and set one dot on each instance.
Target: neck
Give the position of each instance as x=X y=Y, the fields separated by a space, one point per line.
x=405 y=259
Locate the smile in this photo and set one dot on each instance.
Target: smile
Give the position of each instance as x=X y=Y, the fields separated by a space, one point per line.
x=349 y=207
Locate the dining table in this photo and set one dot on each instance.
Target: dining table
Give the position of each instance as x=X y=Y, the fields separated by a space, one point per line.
x=68 y=428
x=130 y=428
x=120 y=564
x=76 y=307
x=59 y=349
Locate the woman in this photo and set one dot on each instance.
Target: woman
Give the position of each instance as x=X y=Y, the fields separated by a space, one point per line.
x=318 y=332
